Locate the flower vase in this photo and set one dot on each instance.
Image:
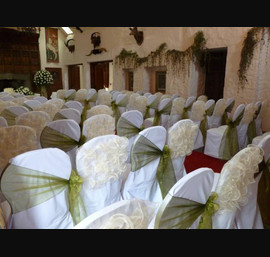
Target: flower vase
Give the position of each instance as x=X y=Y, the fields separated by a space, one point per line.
x=43 y=91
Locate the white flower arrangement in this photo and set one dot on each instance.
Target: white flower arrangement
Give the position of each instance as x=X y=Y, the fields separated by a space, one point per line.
x=9 y=90
x=43 y=78
x=24 y=90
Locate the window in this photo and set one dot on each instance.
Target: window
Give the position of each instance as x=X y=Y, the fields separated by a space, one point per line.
x=161 y=81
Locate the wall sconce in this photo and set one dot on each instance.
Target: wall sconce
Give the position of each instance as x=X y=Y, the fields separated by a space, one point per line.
x=70 y=43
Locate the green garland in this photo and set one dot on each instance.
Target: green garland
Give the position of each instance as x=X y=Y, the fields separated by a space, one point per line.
x=194 y=52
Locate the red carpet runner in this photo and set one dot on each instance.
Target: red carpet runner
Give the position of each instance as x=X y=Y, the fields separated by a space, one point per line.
x=199 y=160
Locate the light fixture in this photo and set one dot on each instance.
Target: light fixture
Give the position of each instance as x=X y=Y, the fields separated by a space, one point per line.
x=67 y=30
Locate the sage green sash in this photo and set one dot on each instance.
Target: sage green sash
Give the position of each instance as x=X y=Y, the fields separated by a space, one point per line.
x=204 y=127
x=115 y=108
x=52 y=138
x=229 y=143
x=263 y=196
x=127 y=129
x=153 y=105
x=251 y=131
x=25 y=188
x=165 y=110
x=9 y=116
x=143 y=152
x=225 y=114
x=186 y=109
x=28 y=107
x=71 y=97
x=181 y=213
x=59 y=116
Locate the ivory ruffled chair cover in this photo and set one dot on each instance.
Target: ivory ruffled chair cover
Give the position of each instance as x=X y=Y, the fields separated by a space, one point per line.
x=140 y=104
x=15 y=139
x=98 y=125
x=3 y=122
x=129 y=125
x=5 y=104
x=42 y=190
x=125 y=214
x=203 y=200
x=263 y=196
x=31 y=104
x=203 y=98
x=101 y=163
x=80 y=95
x=99 y=109
x=188 y=105
x=19 y=100
x=49 y=107
x=63 y=134
x=73 y=104
x=246 y=130
x=10 y=113
x=70 y=95
x=68 y=113
x=176 y=111
x=61 y=93
x=36 y=120
x=181 y=140
x=215 y=120
x=222 y=142
x=152 y=173
x=59 y=103
x=131 y=101
x=104 y=98
x=198 y=116
x=41 y=99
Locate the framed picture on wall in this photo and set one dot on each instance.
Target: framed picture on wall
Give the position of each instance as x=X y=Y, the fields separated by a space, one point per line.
x=52 y=51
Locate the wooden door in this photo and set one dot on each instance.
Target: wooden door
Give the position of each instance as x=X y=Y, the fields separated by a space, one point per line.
x=57 y=76
x=74 y=77
x=99 y=75
x=215 y=73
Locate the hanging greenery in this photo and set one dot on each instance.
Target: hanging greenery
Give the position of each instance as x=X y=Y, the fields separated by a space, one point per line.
x=175 y=57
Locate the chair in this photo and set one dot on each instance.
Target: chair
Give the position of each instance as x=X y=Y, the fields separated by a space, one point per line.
x=222 y=142
x=203 y=98
x=99 y=109
x=48 y=107
x=91 y=97
x=61 y=93
x=181 y=140
x=129 y=125
x=69 y=95
x=228 y=110
x=73 y=104
x=215 y=120
x=259 y=117
x=124 y=214
x=41 y=99
x=10 y=113
x=15 y=139
x=36 y=120
x=59 y=103
x=256 y=140
x=63 y=134
x=140 y=104
x=119 y=105
x=31 y=104
x=151 y=172
x=81 y=95
x=206 y=200
x=98 y=125
x=263 y=196
x=41 y=189
x=3 y=122
x=152 y=105
x=7 y=98
x=176 y=111
x=188 y=105
x=131 y=101
x=5 y=104
x=68 y=113
x=101 y=163
x=104 y=98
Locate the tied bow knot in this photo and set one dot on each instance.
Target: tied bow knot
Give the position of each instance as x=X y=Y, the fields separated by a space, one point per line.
x=166 y=152
x=75 y=184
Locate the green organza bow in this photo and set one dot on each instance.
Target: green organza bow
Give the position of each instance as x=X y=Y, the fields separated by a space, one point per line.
x=229 y=143
x=143 y=152
x=186 y=109
x=70 y=97
x=59 y=116
x=225 y=114
x=115 y=108
x=153 y=105
x=127 y=129
x=52 y=138
x=25 y=188
x=263 y=196
x=165 y=110
x=204 y=127
x=181 y=213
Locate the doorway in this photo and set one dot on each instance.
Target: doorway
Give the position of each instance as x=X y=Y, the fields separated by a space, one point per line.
x=215 y=65
x=100 y=75
x=74 y=77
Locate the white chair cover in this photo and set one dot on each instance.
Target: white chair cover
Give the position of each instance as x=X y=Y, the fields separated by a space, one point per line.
x=3 y=122
x=176 y=111
x=214 y=144
x=74 y=104
x=152 y=105
x=49 y=214
x=143 y=183
x=59 y=103
x=68 y=113
x=101 y=163
x=36 y=120
x=4 y=104
x=259 y=117
x=48 y=107
x=125 y=214
x=214 y=121
x=7 y=98
x=92 y=94
x=15 y=140
x=19 y=100
x=41 y=99
x=188 y=105
x=61 y=93
x=258 y=139
x=70 y=95
x=10 y=113
x=81 y=95
x=181 y=141
x=98 y=125
x=31 y=104
x=99 y=109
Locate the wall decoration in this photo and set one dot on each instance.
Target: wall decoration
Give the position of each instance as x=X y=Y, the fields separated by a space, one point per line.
x=52 y=51
x=138 y=35
x=95 y=40
x=70 y=43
